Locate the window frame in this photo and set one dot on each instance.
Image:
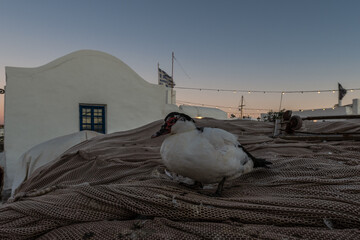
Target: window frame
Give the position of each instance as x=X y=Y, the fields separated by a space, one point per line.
x=92 y=116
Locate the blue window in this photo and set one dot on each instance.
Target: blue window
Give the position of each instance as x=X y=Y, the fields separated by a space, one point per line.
x=92 y=117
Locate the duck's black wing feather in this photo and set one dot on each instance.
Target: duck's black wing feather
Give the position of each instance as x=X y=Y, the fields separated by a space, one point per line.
x=258 y=162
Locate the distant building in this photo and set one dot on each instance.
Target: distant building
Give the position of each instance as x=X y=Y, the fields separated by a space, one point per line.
x=350 y=109
x=201 y=112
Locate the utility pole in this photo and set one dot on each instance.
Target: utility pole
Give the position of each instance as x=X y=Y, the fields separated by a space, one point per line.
x=281 y=100
x=241 y=107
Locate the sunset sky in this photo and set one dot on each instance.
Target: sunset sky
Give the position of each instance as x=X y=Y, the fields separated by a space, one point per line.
x=279 y=45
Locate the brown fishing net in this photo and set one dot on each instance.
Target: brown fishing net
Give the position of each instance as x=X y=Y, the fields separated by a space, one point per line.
x=1 y=180
x=115 y=187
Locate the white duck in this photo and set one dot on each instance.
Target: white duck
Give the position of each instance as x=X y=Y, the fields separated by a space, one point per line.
x=206 y=155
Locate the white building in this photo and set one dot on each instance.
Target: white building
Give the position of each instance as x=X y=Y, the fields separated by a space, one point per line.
x=200 y=112
x=84 y=90
x=351 y=109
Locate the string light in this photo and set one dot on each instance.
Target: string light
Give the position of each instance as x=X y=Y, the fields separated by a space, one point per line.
x=263 y=91
x=249 y=111
x=255 y=91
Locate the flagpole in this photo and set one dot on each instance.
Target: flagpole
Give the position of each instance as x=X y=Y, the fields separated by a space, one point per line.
x=172 y=66
x=172 y=76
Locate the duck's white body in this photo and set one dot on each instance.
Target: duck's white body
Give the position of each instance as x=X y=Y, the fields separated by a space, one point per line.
x=206 y=156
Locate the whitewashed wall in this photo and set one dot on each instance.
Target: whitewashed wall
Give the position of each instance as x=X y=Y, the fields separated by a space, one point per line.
x=196 y=111
x=351 y=109
x=343 y=110
x=43 y=103
x=356 y=106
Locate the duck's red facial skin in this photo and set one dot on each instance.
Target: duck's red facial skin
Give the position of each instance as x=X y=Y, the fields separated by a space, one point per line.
x=170 y=122
x=166 y=127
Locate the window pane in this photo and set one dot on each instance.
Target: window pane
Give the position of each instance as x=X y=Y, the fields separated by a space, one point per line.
x=86 y=127
x=86 y=120
x=97 y=112
x=98 y=128
x=98 y=120
x=86 y=112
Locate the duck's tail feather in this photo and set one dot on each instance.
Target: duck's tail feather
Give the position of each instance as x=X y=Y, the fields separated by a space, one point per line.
x=258 y=162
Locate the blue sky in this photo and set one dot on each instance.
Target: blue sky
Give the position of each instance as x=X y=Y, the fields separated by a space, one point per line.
x=229 y=44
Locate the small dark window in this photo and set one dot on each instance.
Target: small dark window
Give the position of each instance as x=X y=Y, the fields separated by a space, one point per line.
x=92 y=117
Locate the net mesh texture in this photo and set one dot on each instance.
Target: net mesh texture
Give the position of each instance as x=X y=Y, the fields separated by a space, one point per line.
x=115 y=187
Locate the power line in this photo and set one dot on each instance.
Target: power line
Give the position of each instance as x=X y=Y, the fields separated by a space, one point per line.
x=265 y=91
x=229 y=109
x=248 y=110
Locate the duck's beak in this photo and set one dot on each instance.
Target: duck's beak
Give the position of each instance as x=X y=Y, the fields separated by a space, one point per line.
x=163 y=130
x=157 y=134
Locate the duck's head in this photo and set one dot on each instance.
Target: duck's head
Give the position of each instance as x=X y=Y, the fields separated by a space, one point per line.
x=175 y=122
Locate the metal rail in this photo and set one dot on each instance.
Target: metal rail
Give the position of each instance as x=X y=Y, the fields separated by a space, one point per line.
x=322 y=137
x=332 y=117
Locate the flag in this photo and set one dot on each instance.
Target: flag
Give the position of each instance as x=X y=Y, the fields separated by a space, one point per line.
x=342 y=91
x=165 y=79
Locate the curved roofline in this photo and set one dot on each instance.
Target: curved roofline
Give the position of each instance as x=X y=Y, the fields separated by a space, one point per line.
x=69 y=57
